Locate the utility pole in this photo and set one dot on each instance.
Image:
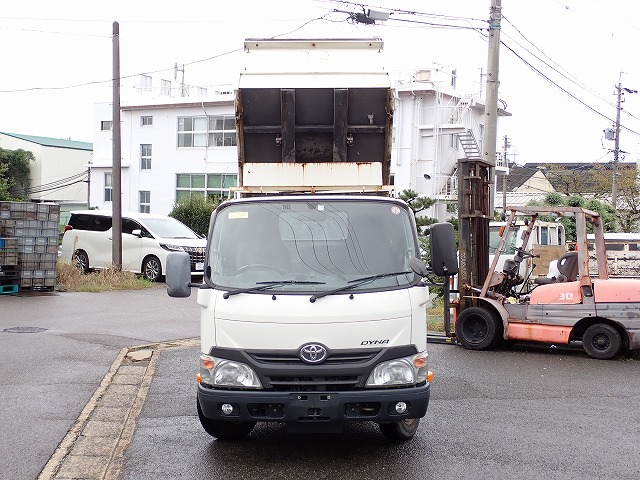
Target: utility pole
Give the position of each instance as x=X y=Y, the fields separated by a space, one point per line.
x=616 y=148
x=116 y=201
x=489 y=139
x=505 y=146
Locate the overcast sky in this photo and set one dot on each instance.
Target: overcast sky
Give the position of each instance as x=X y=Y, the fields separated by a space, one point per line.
x=57 y=62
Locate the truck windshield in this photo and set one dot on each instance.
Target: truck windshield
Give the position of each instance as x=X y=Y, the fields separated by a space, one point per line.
x=494 y=241
x=303 y=246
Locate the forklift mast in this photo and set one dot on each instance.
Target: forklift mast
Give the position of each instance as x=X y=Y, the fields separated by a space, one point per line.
x=474 y=216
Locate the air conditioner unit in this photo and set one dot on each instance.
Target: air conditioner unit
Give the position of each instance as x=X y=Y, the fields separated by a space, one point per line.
x=423 y=76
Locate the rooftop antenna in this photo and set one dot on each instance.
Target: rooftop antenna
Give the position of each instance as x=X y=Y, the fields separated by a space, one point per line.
x=175 y=77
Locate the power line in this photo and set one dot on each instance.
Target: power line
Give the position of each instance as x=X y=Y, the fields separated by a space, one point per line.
x=564 y=73
x=57 y=184
x=537 y=71
x=122 y=77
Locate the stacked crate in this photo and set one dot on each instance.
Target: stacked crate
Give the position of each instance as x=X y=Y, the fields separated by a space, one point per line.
x=35 y=228
x=9 y=270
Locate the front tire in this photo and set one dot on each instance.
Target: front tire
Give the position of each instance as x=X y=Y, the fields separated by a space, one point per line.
x=81 y=260
x=400 y=431
x=224 y=430
x=477 y=328
x=602 y=341
x=152 y=268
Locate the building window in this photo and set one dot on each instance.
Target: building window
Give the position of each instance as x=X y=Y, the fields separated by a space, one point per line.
x=145 y=156
x=192 y=131
x=106 y=125
x=215 y=131
x=211 y=186
x=146 y=121
x=145 y=201
x=453 y=141
x=108 y=187
x=145 y=83
x=165 y=87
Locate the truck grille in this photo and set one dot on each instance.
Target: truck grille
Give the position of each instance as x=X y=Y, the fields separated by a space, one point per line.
x=334 y=358
x=196 y=254
x=314 y=384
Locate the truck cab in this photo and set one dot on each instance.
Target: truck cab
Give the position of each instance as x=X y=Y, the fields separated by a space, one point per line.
x=313 y=304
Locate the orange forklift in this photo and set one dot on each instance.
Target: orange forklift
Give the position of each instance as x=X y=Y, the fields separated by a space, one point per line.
x=570 y=308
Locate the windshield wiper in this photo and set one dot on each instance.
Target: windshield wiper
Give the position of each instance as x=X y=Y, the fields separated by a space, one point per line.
x=268 y=285
x=356 y=283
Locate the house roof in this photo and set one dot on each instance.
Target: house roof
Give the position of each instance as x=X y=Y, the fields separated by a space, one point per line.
x=52 y=142
x=578 y=176
x=517 y=199
x=518 y=175
x=578 y=173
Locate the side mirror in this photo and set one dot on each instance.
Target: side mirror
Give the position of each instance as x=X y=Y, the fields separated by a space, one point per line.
x=444 y=254
x=178 y=274
x=137 y=232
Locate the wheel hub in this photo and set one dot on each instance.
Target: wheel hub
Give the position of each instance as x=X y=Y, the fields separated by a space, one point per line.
x=601 y=342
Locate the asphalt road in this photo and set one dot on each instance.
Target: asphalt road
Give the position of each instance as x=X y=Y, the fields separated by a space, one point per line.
x=503 y=414
x=516 y=413
x=46 y=378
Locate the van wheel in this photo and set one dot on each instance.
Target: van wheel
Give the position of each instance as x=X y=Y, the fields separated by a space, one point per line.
x=152 y=268
x=224 y=430
x=400 y=431
x=477 y=328
x=602 y=341
x=81 y=260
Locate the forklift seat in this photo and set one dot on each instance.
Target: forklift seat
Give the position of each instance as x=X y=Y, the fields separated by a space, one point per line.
x=568 y=267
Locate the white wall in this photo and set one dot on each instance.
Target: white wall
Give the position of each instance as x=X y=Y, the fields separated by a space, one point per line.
x=51 y=165
x=167 y=159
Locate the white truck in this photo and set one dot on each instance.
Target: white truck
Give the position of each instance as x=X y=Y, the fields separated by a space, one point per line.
x=313 y=300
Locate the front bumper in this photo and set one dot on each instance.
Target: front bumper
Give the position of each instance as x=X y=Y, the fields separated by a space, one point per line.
x=377 y=405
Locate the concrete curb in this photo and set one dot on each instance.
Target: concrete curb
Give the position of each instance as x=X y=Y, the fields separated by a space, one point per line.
x=95 y=446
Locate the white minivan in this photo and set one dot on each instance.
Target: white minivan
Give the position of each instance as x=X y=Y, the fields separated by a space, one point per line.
x=146 y=241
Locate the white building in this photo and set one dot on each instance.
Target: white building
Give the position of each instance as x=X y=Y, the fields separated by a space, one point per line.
x=175 y=147
x=169 y=150
x=59 y=172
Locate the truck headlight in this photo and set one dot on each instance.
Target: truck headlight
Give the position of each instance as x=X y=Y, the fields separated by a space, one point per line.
x=400 y=371
x=219 y=372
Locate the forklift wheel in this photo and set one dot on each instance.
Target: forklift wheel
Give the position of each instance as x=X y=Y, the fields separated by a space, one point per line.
x=477 y=328
x=602 y=341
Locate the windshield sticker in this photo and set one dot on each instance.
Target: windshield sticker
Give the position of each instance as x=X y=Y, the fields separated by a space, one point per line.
x=233 y=215
x=395 y=210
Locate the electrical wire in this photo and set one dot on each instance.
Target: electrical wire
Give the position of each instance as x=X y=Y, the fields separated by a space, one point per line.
x=550 y=81
x=562 y=72
x=61 y=183
x=122 y=77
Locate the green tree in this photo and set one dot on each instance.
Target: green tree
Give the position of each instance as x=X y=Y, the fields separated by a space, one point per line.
x=417 y=205
x=14 y=173
x=194 y=212
x=4 y=183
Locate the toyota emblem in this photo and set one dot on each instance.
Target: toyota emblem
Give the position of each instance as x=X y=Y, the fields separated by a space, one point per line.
x=313 y=353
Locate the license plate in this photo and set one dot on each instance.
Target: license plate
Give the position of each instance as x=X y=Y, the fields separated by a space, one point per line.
x=199 y=265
